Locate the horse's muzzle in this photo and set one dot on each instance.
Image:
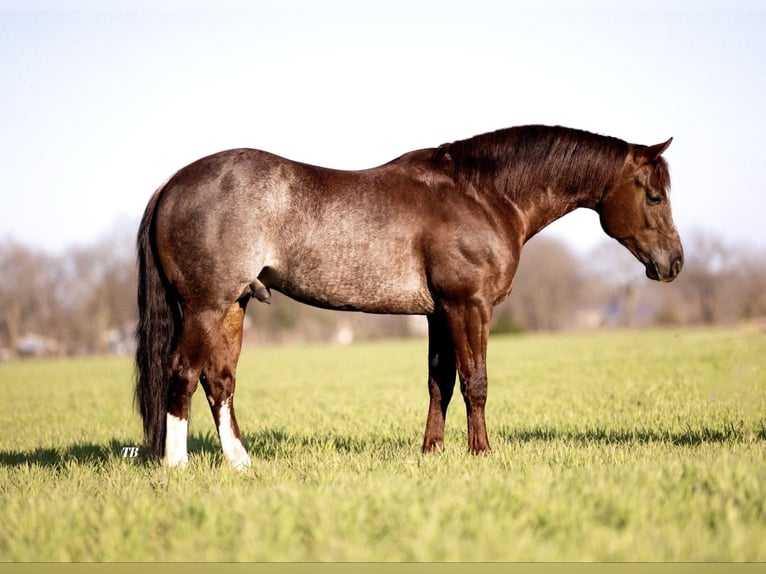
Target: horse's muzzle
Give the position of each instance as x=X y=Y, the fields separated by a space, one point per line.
x=658 y=272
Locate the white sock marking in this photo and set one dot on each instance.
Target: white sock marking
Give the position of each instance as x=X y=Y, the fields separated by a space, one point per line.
x=175 y=442
x=233 y=450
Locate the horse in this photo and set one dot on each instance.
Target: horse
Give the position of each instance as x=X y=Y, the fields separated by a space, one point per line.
x=435 y=232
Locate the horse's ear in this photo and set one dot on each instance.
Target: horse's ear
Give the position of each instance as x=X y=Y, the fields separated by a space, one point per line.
x=653 y=152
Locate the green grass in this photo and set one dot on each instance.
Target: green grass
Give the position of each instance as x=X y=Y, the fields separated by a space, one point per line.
x=647 y=446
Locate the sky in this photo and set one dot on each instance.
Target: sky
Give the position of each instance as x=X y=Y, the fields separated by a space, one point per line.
x=100 y=102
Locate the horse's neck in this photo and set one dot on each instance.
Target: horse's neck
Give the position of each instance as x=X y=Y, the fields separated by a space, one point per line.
x=541 y=207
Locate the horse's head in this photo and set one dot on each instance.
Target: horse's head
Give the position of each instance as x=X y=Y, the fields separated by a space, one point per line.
x=637 y=213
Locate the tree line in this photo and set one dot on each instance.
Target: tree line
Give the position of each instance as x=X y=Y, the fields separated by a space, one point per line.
x=83 y=300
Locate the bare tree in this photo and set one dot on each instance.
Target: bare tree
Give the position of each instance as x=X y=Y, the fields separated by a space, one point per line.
x=25 y=304
x=102 y=290
x=708 y=260
x=547 y=290
x=74 y=299
x=720 y=283
x=749 y=279
x=616 y=284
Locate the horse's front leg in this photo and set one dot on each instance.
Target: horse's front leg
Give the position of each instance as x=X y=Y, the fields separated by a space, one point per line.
x=441 y=380
x=469 y=325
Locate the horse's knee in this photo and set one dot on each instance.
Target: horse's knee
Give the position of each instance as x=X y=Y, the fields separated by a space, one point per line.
x=183 y=384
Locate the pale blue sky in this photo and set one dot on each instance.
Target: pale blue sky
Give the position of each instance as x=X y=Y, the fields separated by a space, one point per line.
x=101 y=103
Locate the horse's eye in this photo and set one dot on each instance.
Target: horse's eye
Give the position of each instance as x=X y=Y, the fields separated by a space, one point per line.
x=652 y=199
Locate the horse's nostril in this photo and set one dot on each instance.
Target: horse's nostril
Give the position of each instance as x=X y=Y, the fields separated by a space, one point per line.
x=676 y=267
x=653 y=270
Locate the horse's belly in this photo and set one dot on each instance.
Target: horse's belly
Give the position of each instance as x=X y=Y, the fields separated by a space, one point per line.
x=352 y=283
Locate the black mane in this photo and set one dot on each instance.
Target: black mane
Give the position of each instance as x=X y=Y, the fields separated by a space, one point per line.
x=519 y=159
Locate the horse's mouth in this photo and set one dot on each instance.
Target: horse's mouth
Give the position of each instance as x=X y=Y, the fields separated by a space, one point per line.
x=664 y=268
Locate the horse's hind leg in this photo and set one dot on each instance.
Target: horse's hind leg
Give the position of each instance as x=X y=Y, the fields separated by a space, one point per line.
x=218 y=379
x=199 y=336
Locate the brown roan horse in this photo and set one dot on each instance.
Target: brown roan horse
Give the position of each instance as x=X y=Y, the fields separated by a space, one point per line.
x=436 y=232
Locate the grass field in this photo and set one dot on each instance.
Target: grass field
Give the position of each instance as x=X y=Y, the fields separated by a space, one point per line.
x=646 y=446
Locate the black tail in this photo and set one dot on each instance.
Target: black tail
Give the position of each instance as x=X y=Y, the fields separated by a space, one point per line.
x=158 y=323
